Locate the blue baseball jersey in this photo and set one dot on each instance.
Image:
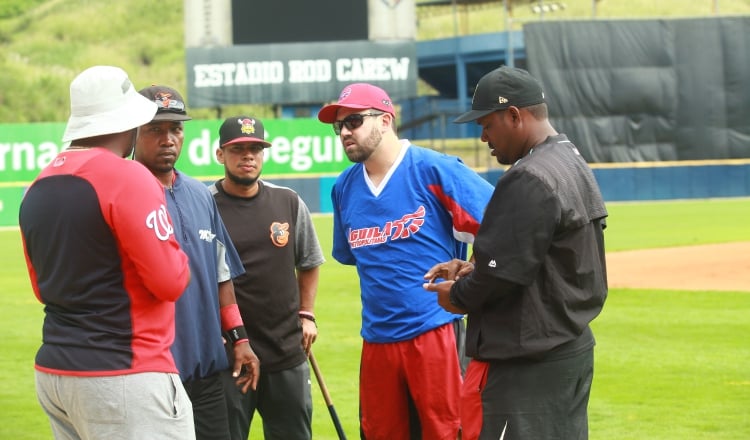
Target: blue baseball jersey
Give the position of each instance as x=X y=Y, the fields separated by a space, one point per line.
x=424 y=212
x=198 y=348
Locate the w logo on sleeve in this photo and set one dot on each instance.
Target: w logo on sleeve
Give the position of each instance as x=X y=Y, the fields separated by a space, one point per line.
x=158 y=220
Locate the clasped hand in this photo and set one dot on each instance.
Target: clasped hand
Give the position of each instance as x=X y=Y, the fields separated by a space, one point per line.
x=449 y=271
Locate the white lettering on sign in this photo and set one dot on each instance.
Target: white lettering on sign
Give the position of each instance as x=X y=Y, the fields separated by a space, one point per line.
x=201 y=150
x=302 y=152
x=301 y=71
x=372 y=69
x=240 y=74
x=26 y=156
x=309 y=71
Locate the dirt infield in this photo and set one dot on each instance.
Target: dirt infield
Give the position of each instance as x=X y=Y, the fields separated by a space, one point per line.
x=707 y=267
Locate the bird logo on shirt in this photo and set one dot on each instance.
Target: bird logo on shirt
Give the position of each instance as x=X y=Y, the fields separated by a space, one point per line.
x=279 y=234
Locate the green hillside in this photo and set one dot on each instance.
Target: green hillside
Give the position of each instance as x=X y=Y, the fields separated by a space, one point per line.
x=44 y=44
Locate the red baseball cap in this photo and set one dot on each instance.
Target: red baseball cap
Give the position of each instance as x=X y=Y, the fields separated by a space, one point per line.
x=359 y=96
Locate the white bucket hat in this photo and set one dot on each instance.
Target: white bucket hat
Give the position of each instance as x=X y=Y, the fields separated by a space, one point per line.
x=104 y=101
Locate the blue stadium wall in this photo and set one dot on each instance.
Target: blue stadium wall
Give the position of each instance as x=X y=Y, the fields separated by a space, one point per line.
x=619 y=182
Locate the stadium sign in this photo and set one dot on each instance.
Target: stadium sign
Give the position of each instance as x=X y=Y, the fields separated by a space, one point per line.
x=297 y=73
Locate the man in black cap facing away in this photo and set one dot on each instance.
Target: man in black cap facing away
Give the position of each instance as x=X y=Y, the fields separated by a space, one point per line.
x=540 y=275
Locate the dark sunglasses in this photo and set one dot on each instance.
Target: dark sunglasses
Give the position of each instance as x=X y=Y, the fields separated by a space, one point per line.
x=353 y=121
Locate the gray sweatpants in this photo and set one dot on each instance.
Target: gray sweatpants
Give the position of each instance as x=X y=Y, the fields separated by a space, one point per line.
x=139 y=406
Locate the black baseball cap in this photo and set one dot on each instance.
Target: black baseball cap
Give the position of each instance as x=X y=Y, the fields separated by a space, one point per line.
x=500 y=89
x=242 y=129
x=169 y=102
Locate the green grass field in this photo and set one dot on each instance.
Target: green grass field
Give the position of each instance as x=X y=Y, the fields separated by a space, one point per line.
x=669 y=365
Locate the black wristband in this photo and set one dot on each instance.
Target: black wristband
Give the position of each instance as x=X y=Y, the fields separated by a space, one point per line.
x=309 y=317
x=236 y=334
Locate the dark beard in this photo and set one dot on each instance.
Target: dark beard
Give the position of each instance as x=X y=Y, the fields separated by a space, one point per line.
x=367 y=148
x=249 y=181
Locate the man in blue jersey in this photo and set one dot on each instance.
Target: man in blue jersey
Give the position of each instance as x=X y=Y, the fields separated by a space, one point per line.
x=399 y=210
x=208 y=305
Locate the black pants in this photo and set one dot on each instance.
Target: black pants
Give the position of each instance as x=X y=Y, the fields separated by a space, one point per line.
x=283 y=399
x=525 y=400
x=209 y=408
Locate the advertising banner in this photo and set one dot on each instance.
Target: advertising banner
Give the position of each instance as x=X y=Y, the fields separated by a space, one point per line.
x=10 y=201
x=300 y=147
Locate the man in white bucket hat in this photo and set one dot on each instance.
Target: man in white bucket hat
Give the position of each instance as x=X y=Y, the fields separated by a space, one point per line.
x=102 y=258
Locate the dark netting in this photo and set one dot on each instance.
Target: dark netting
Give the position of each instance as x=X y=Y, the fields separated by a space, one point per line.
x=647 y=90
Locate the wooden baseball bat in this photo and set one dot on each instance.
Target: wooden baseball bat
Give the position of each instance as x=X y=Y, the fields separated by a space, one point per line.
x=327 y=397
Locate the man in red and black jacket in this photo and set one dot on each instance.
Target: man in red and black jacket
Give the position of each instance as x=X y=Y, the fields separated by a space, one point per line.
x=102 y=258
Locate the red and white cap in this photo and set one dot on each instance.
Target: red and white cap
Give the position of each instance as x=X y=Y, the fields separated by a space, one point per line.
x=359 y=96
